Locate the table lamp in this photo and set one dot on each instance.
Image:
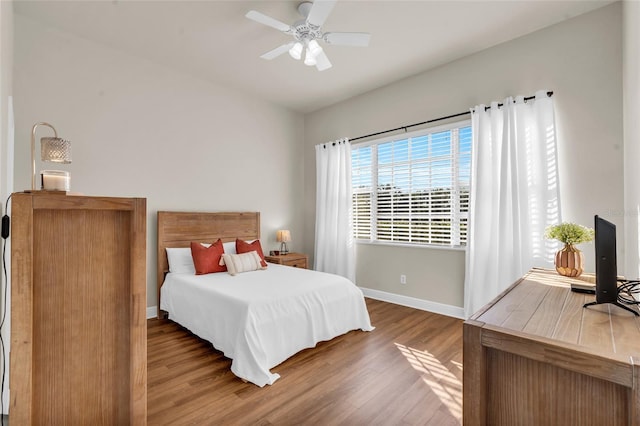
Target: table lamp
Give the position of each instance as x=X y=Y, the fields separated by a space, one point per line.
x=283 y=236
x=55 y=150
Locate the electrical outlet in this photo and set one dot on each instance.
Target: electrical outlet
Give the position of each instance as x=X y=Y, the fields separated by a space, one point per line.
x=403 y=279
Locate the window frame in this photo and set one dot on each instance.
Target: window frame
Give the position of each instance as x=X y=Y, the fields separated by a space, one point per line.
x=455 y=215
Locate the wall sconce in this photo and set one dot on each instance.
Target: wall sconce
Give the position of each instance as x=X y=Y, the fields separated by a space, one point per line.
x=55 y=150
x=283 y=236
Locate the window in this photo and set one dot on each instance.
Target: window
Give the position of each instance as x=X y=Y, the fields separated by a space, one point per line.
x=415 y=188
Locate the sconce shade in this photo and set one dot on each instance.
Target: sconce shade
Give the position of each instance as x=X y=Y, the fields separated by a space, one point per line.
x=56 y=150
x=283 y=236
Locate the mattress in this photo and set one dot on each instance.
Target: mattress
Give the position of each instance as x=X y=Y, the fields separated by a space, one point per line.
x=259 y=319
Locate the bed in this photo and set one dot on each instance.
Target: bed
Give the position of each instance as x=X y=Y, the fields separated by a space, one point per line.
x=260 y=318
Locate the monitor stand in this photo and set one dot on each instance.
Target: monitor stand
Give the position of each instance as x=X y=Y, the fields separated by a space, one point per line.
x=613 y=303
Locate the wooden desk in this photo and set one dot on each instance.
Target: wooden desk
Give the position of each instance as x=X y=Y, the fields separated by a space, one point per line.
x=535 y=356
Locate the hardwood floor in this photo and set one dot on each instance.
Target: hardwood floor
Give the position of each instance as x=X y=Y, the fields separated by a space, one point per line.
x=408 y=371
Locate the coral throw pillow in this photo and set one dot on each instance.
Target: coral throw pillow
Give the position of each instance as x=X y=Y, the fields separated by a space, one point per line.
x=245 y=247
x=207 y=259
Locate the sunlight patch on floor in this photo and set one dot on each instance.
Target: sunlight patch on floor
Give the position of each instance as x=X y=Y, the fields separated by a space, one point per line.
x=441 y=381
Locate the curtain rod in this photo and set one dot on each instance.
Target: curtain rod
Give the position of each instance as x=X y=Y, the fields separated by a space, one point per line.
x=433 y=120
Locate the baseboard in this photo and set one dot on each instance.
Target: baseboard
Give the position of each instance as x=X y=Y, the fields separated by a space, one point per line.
x=152 y=312
x=412 y=302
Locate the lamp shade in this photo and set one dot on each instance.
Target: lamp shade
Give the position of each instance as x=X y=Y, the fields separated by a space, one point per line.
x=52 y=149
x=309 y=59
x=56 y=150
x=314 y=48
x=283 y=236
x=296 y=51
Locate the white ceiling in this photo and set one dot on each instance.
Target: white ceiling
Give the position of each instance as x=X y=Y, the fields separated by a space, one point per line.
x=213 y=40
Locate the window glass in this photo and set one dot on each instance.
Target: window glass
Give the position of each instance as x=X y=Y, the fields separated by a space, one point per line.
x=414 y=188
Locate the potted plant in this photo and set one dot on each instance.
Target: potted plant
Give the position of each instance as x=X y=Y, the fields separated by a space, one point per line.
x=569 y=260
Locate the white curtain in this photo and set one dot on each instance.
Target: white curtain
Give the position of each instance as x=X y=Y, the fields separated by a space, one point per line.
x=334 y=251
x=514 y=195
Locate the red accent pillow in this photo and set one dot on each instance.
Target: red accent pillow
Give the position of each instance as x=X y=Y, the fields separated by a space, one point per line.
x=207 y=259
x=245 y=247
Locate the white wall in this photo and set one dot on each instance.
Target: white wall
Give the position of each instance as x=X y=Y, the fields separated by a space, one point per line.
x=6 y=164
x=631 y=90
x=579 y=59
x=139 y=129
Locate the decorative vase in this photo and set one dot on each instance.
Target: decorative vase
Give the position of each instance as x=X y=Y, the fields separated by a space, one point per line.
x=569 y=261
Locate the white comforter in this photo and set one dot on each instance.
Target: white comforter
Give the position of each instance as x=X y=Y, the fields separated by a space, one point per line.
x=261 y=318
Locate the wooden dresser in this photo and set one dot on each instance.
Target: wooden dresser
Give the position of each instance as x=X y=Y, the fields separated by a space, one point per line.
x=78 y=310
x=535 y=356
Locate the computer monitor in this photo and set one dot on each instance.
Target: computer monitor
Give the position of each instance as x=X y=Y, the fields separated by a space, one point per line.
x=606 y=267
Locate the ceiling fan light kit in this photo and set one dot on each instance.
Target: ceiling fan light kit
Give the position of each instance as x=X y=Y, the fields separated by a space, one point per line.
x=307 y=32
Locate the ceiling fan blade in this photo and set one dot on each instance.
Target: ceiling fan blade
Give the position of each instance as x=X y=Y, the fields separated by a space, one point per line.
x=277 y=51
x=347 y=39
x=320 y=10
x=267 y=20
x=322 y=62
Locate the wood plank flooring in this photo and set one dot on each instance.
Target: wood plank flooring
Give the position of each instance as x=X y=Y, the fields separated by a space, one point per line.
x=408 y=371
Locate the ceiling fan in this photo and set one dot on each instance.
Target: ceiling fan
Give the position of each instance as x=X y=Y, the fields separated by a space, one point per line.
x=307 y=32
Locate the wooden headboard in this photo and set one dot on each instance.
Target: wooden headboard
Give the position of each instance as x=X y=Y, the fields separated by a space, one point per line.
x=178 y=229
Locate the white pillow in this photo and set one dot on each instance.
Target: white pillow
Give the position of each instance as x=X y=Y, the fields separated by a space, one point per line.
x=180 y=260
x=244 y=262
x=229 y=247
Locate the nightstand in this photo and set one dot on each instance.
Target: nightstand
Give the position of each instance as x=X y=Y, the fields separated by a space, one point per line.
x=297 y=260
